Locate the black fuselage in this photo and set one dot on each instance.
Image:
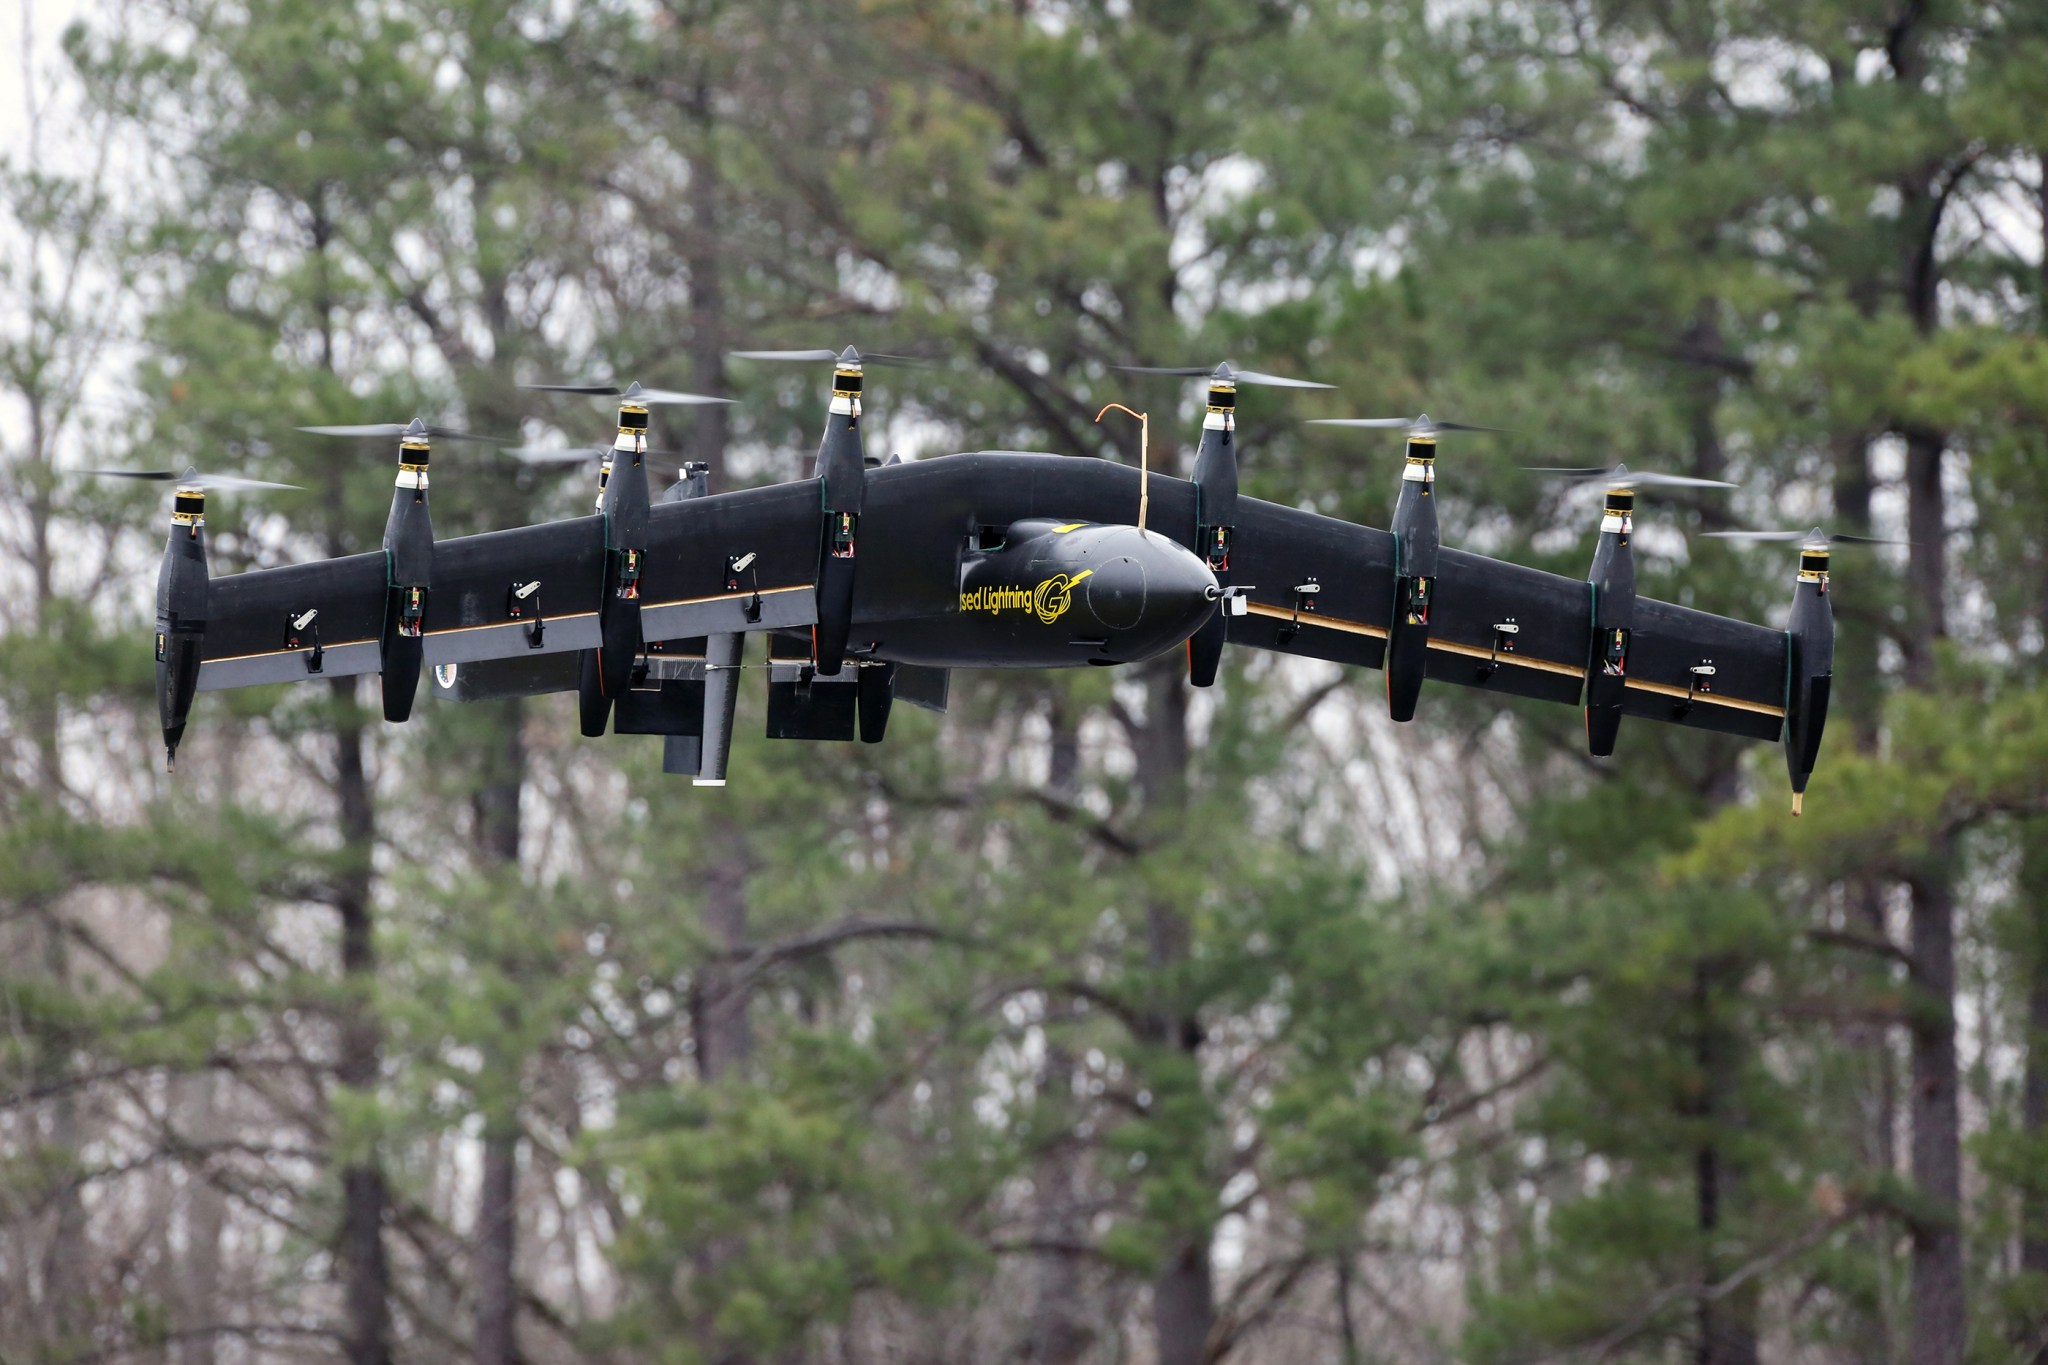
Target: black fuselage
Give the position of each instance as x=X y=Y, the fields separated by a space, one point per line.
x=1004 y=560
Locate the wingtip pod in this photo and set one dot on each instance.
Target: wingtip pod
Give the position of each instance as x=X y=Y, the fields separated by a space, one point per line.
x=181 y=595
x=1810 y=669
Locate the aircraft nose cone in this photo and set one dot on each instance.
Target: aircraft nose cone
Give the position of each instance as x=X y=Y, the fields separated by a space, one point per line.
x=1117 y=591
x=1179 y=591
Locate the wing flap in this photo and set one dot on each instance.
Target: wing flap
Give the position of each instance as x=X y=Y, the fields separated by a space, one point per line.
x=744 y=561
x=478 y=582
x=1744 y=695
x=1504 y=627
x=251 y=616
x=1280 y=551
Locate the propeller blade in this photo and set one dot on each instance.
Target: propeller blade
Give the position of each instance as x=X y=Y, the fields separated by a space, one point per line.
x=673 y=396
x=1621 y=476
x=632 y=391
x=1278 y=381
x=1422 y=426
x=850 y=355
x=1655 y=480
x=189 y=479
x=572 y=454
x=552 y=454
x=237 y=481
x=1226 y=371
x=784 y=355
x=367 y=429
x=399 y=429
x=1815 y=537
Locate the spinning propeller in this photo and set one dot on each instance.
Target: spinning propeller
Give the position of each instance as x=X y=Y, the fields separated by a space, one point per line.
x=1418 y=428
x=631 y=395
x=1226 y=373
x=191 y=478
x=849 y=356
x=1816 y=539
x=1622 y=477
x=416 y=429
x=541 y=455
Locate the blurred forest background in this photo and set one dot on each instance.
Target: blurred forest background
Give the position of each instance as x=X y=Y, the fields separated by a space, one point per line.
x=1099 y=1021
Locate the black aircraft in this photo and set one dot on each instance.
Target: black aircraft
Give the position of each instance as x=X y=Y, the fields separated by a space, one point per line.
x=873 y=581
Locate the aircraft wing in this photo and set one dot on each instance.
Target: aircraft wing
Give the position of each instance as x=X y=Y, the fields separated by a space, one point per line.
x=326 y=619
x=1324 y=589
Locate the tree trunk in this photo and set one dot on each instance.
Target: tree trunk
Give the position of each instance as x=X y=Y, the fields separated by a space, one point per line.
x=1939 y=1325
x=1058 y=1331
x=1184 y=1293
x=1875 y=1124
x=66 y=1270
x=198 y=1271
x=366 y=1290
x=2033 y=891
x=1727 y=1327
x=1938 y=1304
x=707 y=280
x=2032 y=1336
x=496 y=1242
x=725 y=1041
x=494 y=1254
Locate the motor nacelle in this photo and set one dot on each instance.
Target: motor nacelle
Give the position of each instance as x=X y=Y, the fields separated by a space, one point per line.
x=181 y=616
x=1811 y=668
